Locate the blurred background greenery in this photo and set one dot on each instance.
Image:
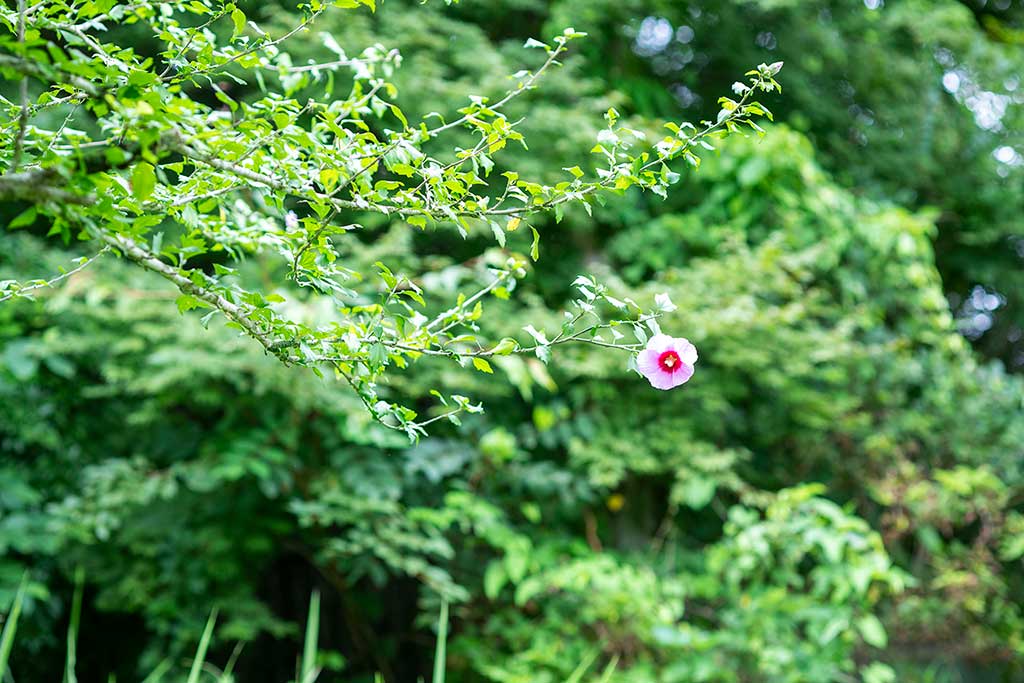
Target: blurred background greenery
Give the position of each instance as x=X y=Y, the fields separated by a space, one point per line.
x=837 y=495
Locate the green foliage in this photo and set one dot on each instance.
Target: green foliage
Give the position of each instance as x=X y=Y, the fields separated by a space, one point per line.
x=834 y=496
x=160 y=174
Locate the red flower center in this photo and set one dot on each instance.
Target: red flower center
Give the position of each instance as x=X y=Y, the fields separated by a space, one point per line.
x=669 y=361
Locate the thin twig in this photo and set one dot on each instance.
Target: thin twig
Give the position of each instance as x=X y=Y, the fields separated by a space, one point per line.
x=19 y=140
x=310 y=67
x=21 y=291
x=213 y=68
x=512 y=94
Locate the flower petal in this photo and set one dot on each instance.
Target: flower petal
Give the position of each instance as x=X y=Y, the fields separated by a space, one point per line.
x=659 y=343
x=682 y=374
x=662 y=380
x=647 y=363
x=687 y=351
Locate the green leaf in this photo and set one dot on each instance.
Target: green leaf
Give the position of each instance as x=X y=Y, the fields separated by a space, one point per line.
x=872 y=631
x=499 y=234
x=482 y=365
x=238 y=18
x=143 y=180
x=516 y=563
x=26 y=217
x=495 y=578
x=223 y=98
x=832 y=629
x=328 y=178
x=697 y=491
x=187 y=302
x=877 y=672
x=403 y=169
x=505 y=347
x=535 y=247
x=400 y=116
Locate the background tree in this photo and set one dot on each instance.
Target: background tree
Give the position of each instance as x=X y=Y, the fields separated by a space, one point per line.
x=834 y=496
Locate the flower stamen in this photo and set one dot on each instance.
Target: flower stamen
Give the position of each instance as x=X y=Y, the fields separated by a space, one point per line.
x=668 y=360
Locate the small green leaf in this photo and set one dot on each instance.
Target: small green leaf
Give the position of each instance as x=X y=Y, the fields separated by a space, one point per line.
x=186 y=302
x=238 y=17
x=26 y=217
x=505 y=347
x=499 y=234
x=328 y=178
x=697 y=492
x=877 y=672
x=143 y=180
x=872 y=631
x=224 y=99
x=483 y=366
x=403 y=169
x=495 y=578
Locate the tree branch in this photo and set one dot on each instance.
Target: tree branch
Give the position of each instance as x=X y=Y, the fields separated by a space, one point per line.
x=19 y=140
x=21 y=291
x=231 y=311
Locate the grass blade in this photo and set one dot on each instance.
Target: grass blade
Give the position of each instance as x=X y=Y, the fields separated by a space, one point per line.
x=11 y=626
x=76 y=616
x=204 y=643
x=308 y=671
x=609 y=670
x=159 y=672
x=229 y=668
x=577 y=675
x=442 y=643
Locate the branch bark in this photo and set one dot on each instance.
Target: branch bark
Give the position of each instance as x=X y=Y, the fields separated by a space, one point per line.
x=232 y=311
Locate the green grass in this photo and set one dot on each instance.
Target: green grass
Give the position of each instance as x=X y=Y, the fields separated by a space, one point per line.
x=76 y=616
x=442 y=643
x=204 y=644
x=11 y=627
x=308 y=670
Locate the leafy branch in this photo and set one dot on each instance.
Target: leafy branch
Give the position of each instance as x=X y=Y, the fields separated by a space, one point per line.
x=10 y=289
x=267 y=174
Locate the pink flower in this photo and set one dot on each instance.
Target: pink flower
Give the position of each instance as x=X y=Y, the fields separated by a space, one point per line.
x=667 y=362
x=291 y=221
